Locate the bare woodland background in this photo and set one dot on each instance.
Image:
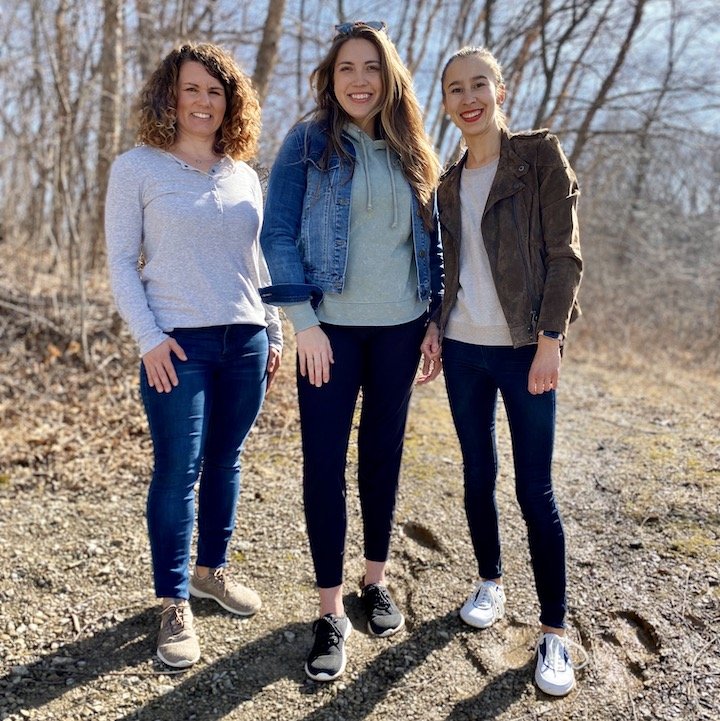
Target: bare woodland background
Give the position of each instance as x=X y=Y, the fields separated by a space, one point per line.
x=630 y=86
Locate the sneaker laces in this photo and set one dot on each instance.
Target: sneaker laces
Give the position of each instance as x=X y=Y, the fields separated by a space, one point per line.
x=328 y=632
x=381 y=598
x=580 y=650
x=557 y=652
x=218 y=579
x=177 y=617
x=483 y=597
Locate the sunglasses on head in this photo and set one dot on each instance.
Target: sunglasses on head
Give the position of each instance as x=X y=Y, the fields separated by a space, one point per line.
x=347 y=28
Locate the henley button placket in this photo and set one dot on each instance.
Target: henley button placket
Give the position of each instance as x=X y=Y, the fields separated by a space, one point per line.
x=216 y=196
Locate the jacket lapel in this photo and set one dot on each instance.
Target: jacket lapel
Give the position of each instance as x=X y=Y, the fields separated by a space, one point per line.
x=509 y=176
x=449 y=199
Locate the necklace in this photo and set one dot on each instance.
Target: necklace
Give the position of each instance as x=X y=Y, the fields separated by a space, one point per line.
x=201 y=163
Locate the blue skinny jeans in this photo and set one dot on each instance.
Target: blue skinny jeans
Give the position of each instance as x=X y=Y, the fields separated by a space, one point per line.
x=473 y=375
x=382 y=362
x=198 y=430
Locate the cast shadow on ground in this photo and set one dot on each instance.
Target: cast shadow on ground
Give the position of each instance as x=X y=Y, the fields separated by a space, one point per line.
x=260 y=665
x=496 y=696
x=123 y=646
x=127 y=647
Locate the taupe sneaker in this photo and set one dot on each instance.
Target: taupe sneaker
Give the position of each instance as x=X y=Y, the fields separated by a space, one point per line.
x=177 y=643
x=233 y=597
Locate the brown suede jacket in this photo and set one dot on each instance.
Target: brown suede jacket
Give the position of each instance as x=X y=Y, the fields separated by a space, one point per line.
x=530 y=230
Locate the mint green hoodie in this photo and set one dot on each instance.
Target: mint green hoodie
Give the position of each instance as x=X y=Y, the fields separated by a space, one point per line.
x=381 y=278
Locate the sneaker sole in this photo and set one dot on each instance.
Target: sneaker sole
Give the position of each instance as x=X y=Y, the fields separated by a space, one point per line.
x=388 y=631
x=556 y=691
x=324 y=677
x=185 y=663
x=202 y=594
x=470 y=621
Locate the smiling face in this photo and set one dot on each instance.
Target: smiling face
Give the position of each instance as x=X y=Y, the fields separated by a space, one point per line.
x=357 y=82
x=471 y=96
x=201 y=102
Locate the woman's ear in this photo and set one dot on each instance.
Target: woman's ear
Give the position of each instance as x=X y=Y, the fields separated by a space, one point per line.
x=500 y=94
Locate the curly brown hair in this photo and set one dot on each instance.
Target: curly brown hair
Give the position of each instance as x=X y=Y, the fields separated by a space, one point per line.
x=238 y=135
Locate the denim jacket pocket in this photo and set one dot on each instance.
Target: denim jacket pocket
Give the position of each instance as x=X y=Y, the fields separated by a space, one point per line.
x=324 y=225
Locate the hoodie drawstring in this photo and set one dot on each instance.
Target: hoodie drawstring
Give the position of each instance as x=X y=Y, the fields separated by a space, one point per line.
x=391 y=170
x=367 y=173
x=363 y=142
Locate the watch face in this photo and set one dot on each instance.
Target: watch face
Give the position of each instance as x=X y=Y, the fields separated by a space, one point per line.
x=551 y=334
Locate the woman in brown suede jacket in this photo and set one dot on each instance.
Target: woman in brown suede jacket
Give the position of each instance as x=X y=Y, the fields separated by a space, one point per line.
x=512 y=271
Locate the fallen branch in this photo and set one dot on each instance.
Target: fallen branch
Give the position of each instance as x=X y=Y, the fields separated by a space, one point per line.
x=31 y=314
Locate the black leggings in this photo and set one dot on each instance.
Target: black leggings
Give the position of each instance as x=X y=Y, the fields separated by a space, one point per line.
x=382 y=361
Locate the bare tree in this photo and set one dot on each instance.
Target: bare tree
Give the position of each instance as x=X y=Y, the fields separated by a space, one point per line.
x=550 y=52
x=573 y=74
x=147 y=38
x=599 y=101
x=110 y=101
x=62 y=150
x=629 y=85
x=267 y=52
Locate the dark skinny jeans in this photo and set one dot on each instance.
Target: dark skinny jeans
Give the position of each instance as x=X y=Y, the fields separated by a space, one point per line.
x=473 y=375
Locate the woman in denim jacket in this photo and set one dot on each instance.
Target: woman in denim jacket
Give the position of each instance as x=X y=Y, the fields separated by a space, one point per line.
x=351 y=244
x=508 y=216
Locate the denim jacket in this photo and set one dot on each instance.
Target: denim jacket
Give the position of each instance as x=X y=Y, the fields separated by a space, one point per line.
x=530 y=231
x=307 y=220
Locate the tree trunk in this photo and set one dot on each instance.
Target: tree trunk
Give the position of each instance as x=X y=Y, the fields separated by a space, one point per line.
x=110 y=103
x=267 y=52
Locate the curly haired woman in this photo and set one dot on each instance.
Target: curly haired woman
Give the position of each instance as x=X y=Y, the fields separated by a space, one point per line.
x=187 y=206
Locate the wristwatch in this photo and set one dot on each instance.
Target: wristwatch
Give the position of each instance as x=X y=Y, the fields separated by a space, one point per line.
x=552 y=334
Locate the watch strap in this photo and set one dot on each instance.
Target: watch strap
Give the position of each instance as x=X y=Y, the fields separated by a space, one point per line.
x=551 y=334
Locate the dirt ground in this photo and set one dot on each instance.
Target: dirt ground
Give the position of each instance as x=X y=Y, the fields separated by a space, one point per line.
x=638 y=480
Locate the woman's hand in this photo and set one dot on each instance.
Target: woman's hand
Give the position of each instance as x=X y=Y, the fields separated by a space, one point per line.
x=430 y=348
x=159 y=366
x=545 y=369
x=273 y=363
x=315 y=355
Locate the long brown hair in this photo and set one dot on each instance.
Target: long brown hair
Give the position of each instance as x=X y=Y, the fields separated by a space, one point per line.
x=398 y=120
x=238 y=134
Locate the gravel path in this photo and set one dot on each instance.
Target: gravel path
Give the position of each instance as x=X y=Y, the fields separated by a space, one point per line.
x=638 y=480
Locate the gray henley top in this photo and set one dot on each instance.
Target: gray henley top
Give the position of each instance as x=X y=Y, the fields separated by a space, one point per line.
x=198 y=236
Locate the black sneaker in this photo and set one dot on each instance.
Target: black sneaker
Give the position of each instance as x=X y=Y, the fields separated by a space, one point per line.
x=384 y=617
x=327 y=659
